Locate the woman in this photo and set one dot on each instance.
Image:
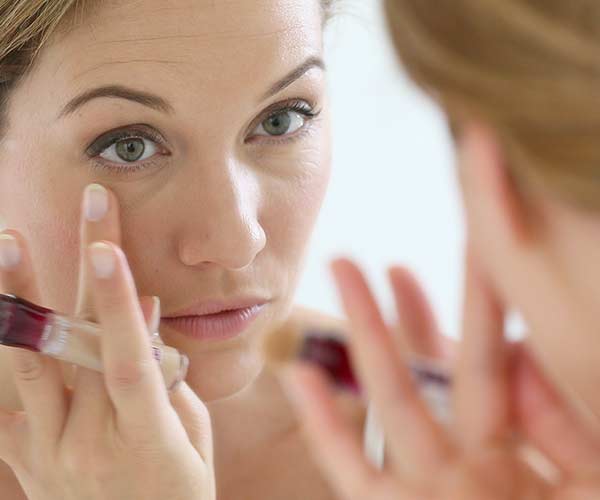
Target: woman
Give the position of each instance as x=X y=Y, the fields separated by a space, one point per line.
x=201 y=132
x=519 y=82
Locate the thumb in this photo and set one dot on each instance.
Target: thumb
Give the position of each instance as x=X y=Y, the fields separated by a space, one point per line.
x=150 y=306
x=195 y=418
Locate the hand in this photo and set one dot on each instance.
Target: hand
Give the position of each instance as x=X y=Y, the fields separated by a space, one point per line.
x=116 y=435
x=479 y=457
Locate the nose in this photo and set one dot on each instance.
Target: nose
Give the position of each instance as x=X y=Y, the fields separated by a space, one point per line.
x=223 y=226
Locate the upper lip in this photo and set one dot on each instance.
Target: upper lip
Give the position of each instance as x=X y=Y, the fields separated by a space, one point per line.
x=215 y=306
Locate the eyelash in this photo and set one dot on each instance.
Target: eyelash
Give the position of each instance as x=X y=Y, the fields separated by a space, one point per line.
x=302 y=107
x=100 y=145
x=109 y=139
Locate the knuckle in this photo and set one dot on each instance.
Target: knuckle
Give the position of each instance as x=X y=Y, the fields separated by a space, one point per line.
x=28 y=366
x=128 y=374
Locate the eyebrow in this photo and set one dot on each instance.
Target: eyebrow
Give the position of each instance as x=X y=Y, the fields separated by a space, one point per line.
x=292 y=76
x=119 y=92
x=158 y=103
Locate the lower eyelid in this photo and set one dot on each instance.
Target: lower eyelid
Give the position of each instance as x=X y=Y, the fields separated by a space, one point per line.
x=155 y=161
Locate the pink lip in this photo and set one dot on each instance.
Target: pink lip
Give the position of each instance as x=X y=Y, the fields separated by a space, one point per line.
x=213 y=307
x=219 y=325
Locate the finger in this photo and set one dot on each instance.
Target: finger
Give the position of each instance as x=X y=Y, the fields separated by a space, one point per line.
x=132 y=376
x=195 y=419
x=150 y=306
x=151 y=310
x=99 y=221
x=416 y=320
x=481 y=396
x=90 y=403
x=550 y=425
x=416 y=442
x=38 y=378
x=333 y=442
x=13 y=435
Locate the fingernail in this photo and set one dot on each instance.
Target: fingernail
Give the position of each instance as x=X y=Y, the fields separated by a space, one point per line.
x=103 y=259
x=10 y=253
x=155 y=320
x=95 y=202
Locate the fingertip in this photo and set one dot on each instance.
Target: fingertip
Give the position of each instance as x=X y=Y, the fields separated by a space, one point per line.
x=10 y=252
x=337 y=264
x=402 y=278
x=342 y=265
x=155 y=318
x=103 y=259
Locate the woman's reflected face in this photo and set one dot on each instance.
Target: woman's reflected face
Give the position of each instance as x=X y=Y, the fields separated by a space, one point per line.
x=209 y=121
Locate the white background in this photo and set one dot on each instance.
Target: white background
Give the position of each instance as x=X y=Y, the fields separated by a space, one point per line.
x=393 y=196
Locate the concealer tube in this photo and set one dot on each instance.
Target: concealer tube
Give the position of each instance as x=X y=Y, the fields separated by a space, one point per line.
x=30 y=326
x=327 y=350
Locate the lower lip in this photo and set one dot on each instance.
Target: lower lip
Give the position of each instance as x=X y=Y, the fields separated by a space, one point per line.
x=220 y=326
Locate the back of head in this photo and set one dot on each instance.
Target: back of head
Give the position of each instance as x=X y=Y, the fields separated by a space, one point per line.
x=528 y=68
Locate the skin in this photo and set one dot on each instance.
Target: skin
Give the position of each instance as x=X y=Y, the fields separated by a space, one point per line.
x=211 y=206
x=528 y=250
x=220 y=211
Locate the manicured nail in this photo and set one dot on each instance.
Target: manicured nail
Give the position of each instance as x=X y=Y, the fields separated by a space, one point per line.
x=155 y=319
x=10 y=253
x=95 y=202
x=103 y=259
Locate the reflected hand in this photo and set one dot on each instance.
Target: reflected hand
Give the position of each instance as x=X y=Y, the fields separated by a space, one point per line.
x=479 y=457
x=116 y=435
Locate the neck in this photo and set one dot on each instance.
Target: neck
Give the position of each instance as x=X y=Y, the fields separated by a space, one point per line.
x=266 y=415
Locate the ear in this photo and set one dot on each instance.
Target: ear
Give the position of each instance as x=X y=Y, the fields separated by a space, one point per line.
x=497 y=216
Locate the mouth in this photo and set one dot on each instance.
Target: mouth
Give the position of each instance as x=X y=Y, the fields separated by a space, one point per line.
x=222 y=324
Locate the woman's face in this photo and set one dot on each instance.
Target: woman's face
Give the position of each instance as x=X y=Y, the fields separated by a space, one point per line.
x=198 y=115
x=541 y=252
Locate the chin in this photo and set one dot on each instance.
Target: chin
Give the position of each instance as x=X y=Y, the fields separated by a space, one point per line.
x=223 y=375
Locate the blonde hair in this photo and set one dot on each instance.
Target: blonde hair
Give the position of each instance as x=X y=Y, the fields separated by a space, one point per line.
x=25 y=27
x=528 y=68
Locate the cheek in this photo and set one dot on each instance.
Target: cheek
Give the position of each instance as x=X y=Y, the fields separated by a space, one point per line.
x=44 y=208
x=291 y=208
x=292 y=199
x=54 y=243
x=558 y=292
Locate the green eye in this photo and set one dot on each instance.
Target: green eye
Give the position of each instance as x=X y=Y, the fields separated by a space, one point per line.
x=282 y=123
x=278 y=124
x=130 y=150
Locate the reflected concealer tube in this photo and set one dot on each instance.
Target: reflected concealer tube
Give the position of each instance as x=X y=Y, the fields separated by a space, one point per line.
x=30 y=326
x=326 y=349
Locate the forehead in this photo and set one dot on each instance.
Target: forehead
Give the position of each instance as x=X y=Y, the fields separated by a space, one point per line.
x=203 y=42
